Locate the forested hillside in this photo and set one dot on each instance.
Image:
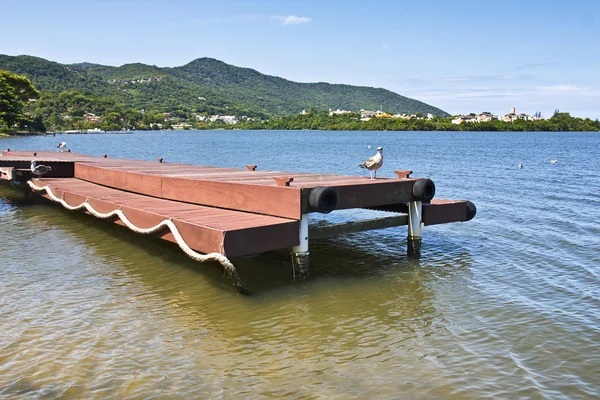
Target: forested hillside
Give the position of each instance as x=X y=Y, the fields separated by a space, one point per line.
x=204 y=86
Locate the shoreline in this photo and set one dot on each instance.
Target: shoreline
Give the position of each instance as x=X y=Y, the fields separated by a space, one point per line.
x=28 y=134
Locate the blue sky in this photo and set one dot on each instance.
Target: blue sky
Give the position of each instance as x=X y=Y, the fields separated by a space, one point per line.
x=462 y=56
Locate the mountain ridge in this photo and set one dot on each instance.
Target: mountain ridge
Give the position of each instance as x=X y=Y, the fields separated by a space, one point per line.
x=206 y=85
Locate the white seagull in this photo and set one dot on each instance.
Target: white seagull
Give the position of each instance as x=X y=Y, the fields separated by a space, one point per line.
x=62 y=146
x=553 y=161
x=39 y=170
x=374 y=163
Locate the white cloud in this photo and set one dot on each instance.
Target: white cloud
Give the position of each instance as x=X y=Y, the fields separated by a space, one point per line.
x=536 y=65
x=474 y=78
x=568 y=89
x=291 y=19
x=385 y=47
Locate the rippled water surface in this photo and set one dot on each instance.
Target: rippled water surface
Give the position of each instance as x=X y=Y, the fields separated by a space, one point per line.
x=506 y=305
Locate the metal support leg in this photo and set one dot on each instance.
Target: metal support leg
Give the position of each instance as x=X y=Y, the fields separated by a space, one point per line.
x=300 y=253
x=23 y=187
x=415 y=209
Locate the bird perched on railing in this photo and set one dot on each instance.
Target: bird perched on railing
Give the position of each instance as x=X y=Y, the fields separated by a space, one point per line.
x=61 y=146
x=374 y=163
x=39 y=170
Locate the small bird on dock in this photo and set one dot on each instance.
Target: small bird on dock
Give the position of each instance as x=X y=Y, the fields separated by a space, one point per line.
x=39 y=170
x=374 y=163
x=61 y=146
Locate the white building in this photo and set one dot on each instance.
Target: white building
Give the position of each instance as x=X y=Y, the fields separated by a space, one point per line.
x=486 y=117
x=338 y=112
x=228 y=119
x=459 y=119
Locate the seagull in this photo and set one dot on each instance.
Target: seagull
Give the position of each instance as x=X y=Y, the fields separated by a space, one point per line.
x=520 y=165
x=62 y=146
x=374 y=163
x=553 y=161
x=39 y=170
x=369 y=146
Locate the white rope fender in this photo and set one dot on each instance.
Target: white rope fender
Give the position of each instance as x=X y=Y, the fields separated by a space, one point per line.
x=220 y=258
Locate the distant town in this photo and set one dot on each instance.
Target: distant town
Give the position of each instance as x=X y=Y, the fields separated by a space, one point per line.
x=340 y=119
x=512 y=116
x=365 y=115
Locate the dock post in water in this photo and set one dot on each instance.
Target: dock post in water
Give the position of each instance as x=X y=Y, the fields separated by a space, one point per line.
x=300 y=253
x=415 y=212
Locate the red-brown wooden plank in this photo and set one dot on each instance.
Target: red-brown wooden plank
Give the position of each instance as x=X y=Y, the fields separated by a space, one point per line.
x=204 y=229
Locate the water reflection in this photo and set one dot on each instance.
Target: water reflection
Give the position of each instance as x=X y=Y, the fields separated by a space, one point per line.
x=359 y=307
x=503 y=306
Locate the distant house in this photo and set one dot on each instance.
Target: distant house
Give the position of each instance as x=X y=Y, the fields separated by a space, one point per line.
x=459 y=119
x=367 y=114
x=512 y=116
x=91 y=118
x=486 y=117
x=228 y=119
x=181 y=125
x=338 y=112
x=525 y=117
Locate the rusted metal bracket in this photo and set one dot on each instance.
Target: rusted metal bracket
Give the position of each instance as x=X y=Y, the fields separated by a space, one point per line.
x=318 y=232
x=283 y=180
x=403 y=174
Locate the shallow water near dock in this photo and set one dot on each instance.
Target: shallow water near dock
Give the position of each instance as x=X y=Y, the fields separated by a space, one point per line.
x=505 y=305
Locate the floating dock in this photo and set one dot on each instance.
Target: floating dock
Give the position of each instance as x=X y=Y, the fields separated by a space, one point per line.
x=217 y=213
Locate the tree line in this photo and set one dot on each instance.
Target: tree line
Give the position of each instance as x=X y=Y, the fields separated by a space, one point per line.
x=23 y=107
x=315 y=120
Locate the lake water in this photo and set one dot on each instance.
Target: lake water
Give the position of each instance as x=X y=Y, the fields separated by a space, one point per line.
x=506 y=305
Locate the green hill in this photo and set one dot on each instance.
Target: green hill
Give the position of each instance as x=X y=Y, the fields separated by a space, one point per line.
x=283 y=97
x=205 y=86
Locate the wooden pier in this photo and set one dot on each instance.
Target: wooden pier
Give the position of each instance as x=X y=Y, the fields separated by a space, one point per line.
x=224 y=212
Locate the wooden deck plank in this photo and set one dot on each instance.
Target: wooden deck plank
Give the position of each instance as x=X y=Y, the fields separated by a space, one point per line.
x=204 y=229
x=236 y=189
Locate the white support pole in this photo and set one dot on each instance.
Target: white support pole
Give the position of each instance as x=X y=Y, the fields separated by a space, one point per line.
x=303 y=246
x=415 y=209
x=300 y=252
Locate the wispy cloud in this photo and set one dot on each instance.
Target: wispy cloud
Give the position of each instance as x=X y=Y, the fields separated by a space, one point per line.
x=569 y=89
x=473 y=78
x=291 y=19
x=579 y=100
x=536 y=65
x=488 y=92
x=385 y=47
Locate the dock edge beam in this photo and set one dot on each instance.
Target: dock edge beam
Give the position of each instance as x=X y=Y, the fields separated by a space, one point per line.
x=227 y=265
x=300 y=253
x=415 y=235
